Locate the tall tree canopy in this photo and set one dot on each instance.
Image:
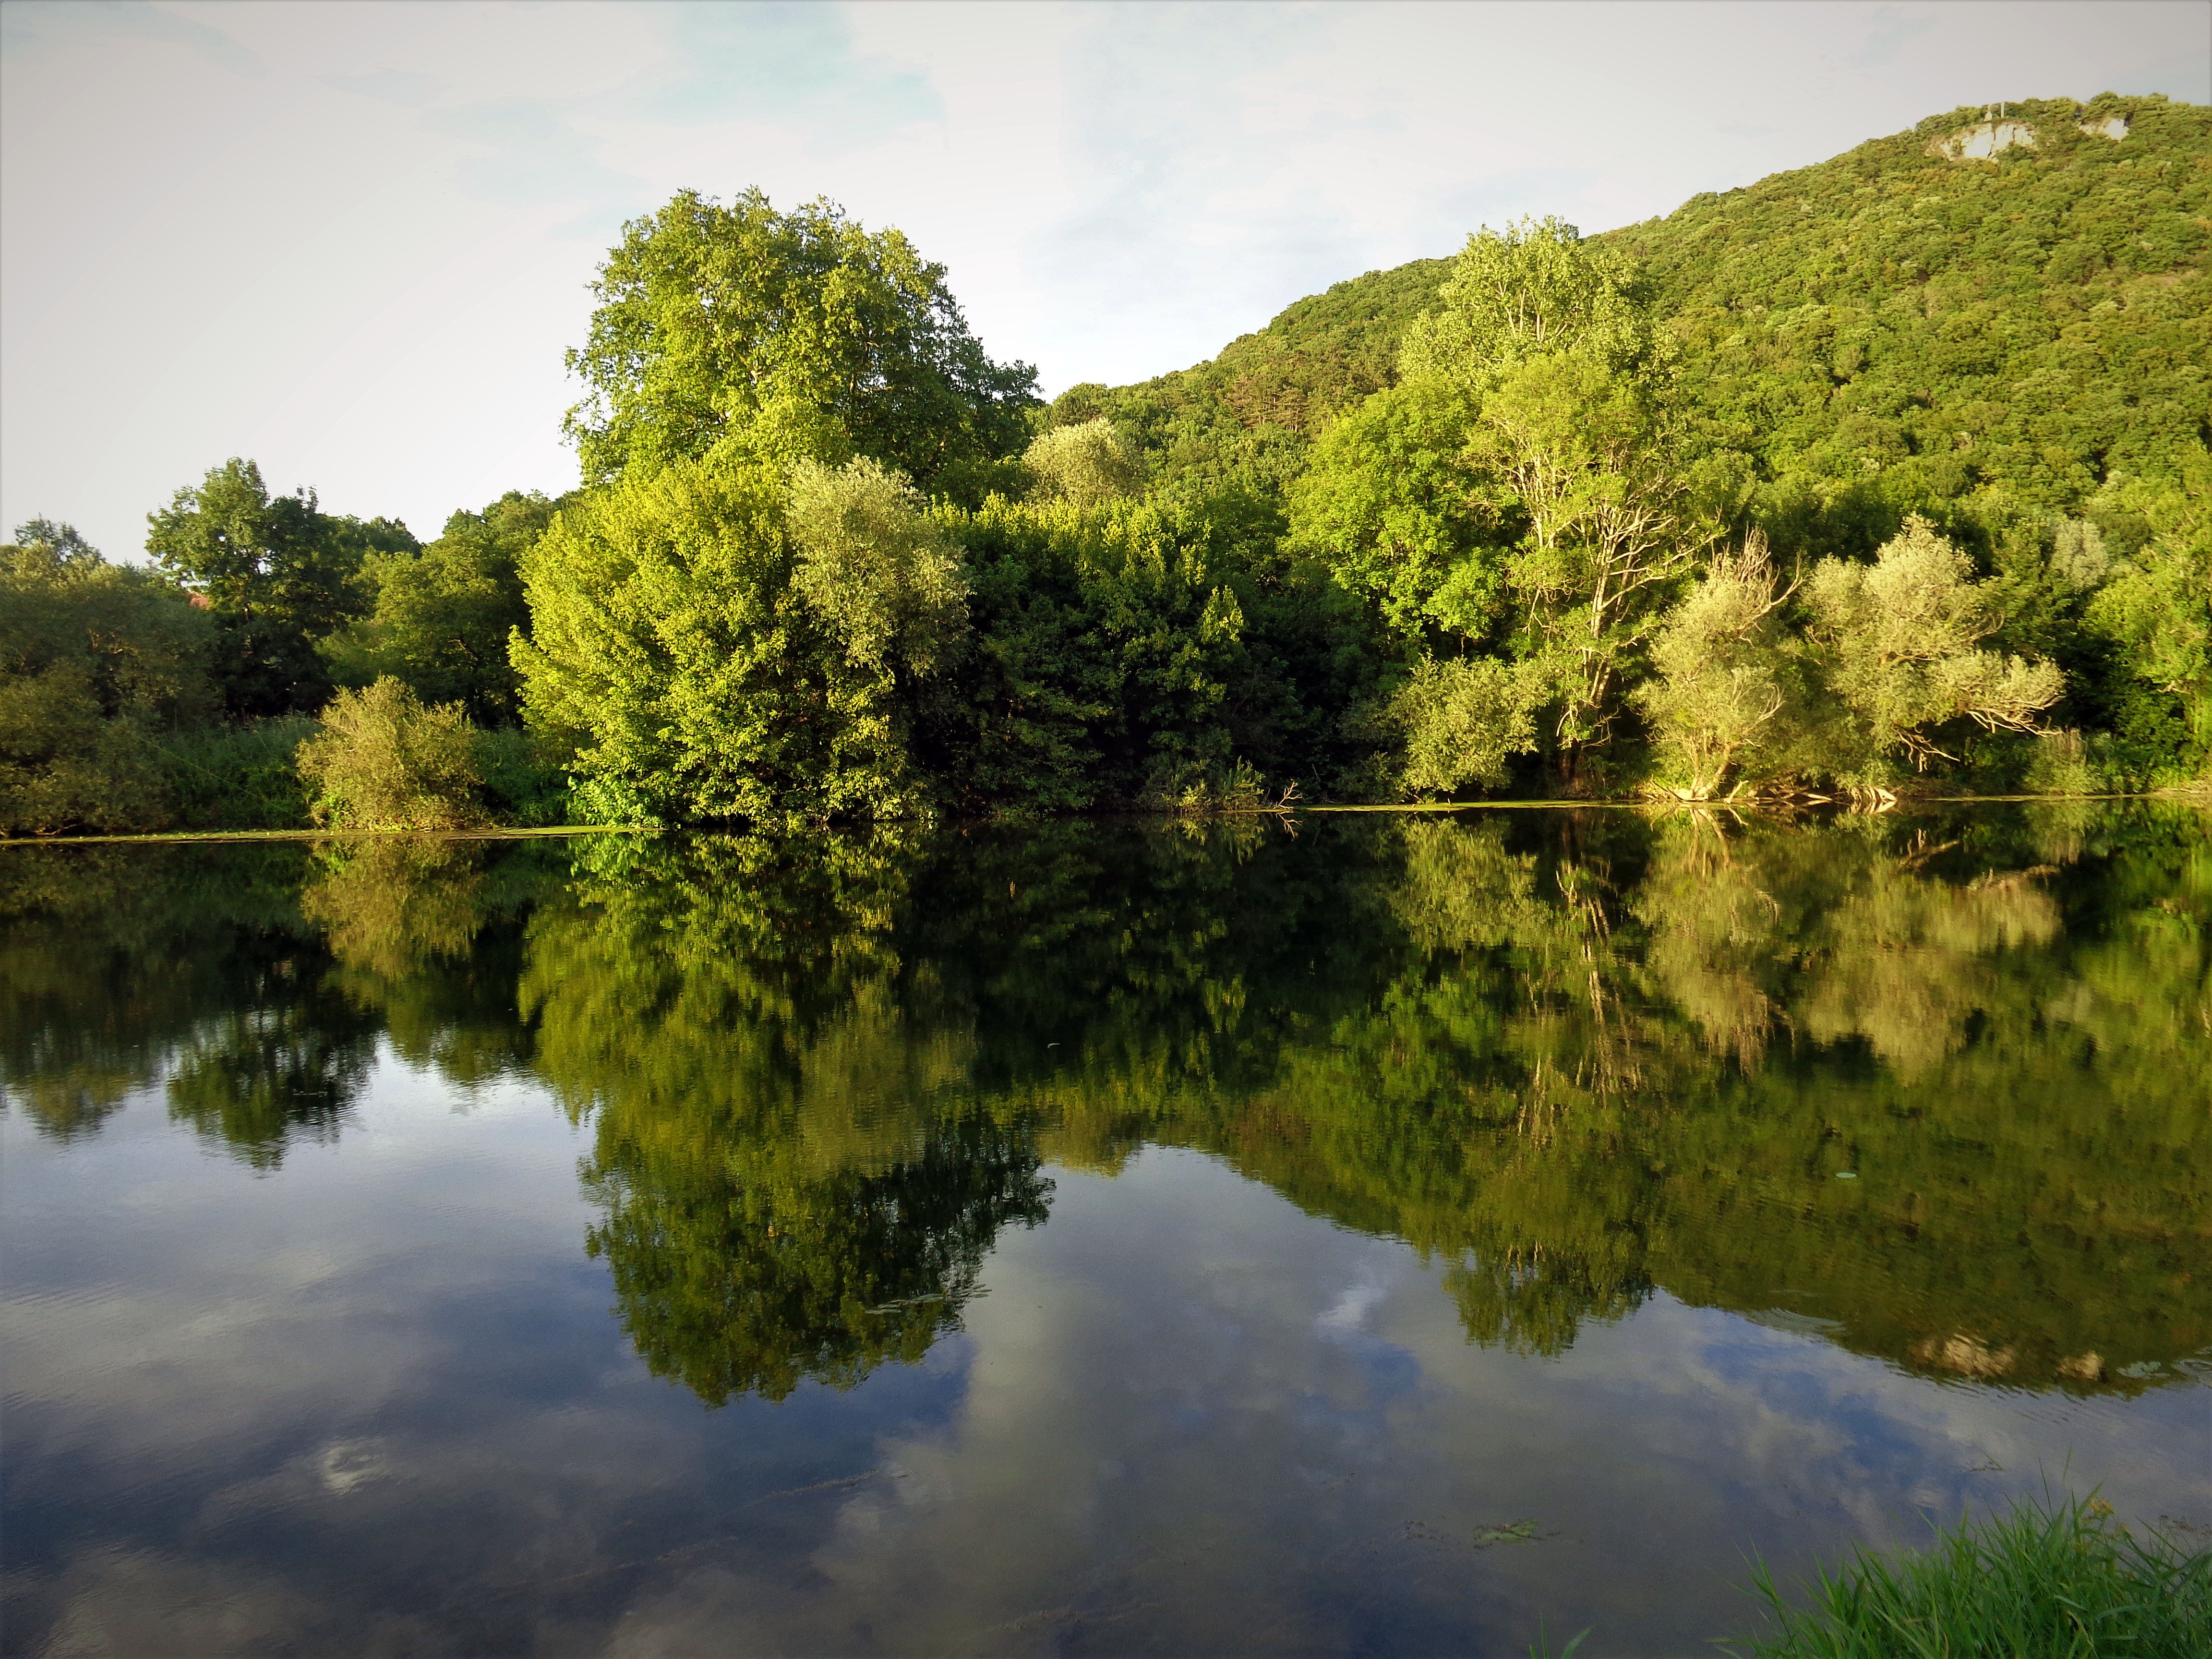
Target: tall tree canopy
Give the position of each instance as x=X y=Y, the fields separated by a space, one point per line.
x=803 y=331
x=278 y=572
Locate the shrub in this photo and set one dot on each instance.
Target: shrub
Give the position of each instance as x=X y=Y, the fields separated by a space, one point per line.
x=883 y=577
x=1722 y=679
x=384 y=760
x=1900 y=638
x=523 y=776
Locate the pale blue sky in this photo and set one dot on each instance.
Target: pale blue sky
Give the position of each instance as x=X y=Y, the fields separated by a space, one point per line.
x=352 y=240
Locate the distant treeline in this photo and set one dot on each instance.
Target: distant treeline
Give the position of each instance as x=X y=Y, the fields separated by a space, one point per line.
x=1890 y=473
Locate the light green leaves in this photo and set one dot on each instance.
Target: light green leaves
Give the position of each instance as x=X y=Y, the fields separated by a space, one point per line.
x=1088 y=464
x=883 y=576
x=1898 y=642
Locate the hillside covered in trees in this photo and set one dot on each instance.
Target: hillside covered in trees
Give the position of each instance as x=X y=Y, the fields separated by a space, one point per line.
x=1888 y=474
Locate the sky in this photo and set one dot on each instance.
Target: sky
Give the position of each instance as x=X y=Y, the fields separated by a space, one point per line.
x=354 y=240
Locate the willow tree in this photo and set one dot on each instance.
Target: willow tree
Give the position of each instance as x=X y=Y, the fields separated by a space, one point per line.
x=1900 y=643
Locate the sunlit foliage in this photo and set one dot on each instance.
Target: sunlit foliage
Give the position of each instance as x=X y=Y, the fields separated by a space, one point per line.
x=382 y=760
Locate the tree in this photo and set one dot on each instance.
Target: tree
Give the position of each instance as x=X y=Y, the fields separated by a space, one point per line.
x=1454 y=724
x=1525 y=462
x=1724 y=676
x=443 y=613
x=1536 y=288
x=44 y=541
x=1612 y=526
x=1087 y=463
x=1897 y=641
x=278 y=573
x=383 y=761
x=96 y=662
x=670 y=645
x=801 y=331
x=1393 y=506
x=882 y=575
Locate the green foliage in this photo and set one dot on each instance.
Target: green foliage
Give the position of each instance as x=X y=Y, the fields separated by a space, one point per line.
x=800 y=332
x=1582 y=450
x=1243 y=418
x=443 y=613
x=2034 y=323
x=1451 y=726
x=525 y=778
x=97 y=663
x=382 y=760
x=241 y=776
x=882 y=577
x=671 y=648
x=834 y=562
x=1573 y=1058
x=277 y=573
x=1726 y=698
x=1087 y=463
x=2013 y=346
x=1898 y=639
x=1536 y=289
x=2043 y=1581
x=1393 y=505
x=2156 y=616
x=1108 y=646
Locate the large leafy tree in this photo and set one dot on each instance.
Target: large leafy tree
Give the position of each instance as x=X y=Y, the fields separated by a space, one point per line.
x=803 y=331
x=670 y=643
x=277 y=572
x=1521 y=479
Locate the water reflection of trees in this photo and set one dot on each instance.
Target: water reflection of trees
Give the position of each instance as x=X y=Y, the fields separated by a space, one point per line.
x=126 y=967
x=1568 y=1057
x=791 y=1186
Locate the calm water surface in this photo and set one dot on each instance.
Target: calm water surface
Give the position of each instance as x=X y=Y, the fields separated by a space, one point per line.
x=1377 y=1234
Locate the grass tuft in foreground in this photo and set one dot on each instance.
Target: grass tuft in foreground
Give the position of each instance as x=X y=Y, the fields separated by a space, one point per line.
x=2037 y=1583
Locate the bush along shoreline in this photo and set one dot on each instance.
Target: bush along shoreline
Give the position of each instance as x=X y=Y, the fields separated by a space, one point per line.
x=1884 y=476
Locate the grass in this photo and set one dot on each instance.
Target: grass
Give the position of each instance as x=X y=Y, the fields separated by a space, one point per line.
x=2043 y=1581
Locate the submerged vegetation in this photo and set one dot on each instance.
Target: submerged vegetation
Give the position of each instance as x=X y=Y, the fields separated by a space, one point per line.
x=1889 y=474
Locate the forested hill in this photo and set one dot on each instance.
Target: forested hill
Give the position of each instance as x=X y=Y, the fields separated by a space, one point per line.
x=1886 y=475
x=2023 y=302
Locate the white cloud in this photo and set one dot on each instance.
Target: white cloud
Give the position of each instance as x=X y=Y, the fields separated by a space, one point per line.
x=352 y=240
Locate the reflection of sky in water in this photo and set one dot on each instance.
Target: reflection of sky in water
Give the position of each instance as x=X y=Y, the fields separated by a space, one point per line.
x=376 y=1399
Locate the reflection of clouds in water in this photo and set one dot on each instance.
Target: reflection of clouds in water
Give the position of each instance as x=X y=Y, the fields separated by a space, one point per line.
x=1145 y=1453
x=1347 y=1315
x=1142 y=1443
x=114 y=1602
